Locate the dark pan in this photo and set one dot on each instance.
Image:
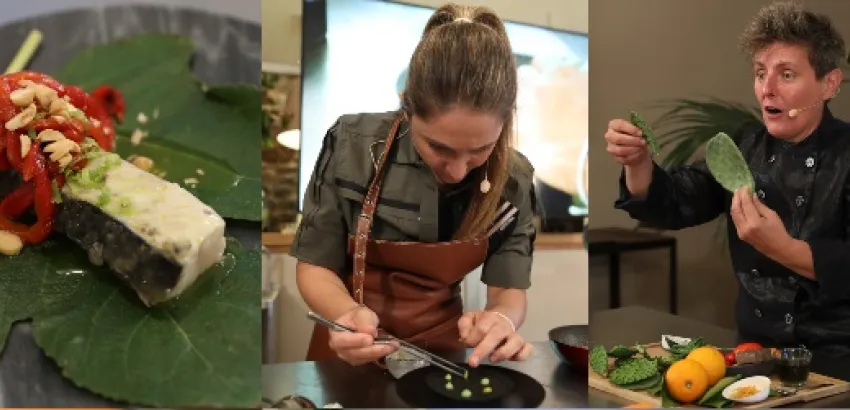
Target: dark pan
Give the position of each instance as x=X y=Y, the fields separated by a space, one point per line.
x=426 y=388
x=570 y=344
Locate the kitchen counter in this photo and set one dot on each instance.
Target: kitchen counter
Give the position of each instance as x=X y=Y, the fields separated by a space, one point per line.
x=228 y=50
x=369 y=386
x=646 y=326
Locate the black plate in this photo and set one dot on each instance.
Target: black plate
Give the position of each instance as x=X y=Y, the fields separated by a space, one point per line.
x=500 y=384
x=426 y=387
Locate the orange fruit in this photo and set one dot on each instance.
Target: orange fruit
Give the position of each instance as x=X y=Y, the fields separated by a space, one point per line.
x=639 y=406
x=712 y=361
x=686 y=380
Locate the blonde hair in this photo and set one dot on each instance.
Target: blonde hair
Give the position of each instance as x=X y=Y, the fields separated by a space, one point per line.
x=465 y=58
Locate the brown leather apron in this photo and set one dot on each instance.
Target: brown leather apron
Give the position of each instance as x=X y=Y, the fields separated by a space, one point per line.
x=412 y=286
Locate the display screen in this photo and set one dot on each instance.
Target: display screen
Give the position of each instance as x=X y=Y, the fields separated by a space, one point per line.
x=358 y=64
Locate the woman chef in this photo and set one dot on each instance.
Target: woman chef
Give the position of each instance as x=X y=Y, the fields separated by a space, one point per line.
x=401 y=206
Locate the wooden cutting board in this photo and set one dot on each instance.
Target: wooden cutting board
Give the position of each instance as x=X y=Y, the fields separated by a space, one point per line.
x=818 y=387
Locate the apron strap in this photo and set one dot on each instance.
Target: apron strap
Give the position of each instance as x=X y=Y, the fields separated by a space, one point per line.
x=364 y=222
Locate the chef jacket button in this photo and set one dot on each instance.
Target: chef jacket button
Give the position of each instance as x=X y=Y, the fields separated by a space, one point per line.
x=760 y=193
x=789 y=319
x=756 y=273
x=771 y=159
x=810 y=162
x=758 y=313
x=800 y=201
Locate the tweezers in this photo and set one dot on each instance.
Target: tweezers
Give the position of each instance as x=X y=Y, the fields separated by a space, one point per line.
x=423 y=354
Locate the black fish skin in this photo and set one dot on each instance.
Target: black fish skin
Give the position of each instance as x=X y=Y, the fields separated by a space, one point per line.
x=144 y=268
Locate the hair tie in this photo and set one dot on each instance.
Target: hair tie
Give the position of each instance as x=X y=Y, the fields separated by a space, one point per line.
x=463 y=20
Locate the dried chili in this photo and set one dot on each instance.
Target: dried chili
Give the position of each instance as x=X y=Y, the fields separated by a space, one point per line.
x=40 y=175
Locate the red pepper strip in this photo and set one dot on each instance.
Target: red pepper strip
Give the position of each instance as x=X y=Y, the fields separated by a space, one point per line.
x=72 y=129
x=38 y=78
x=4 y=162
x=7 y=107
x=45 y=209
x=103 y=135
x=111 y=100
x=13 y=148
x=18 y=201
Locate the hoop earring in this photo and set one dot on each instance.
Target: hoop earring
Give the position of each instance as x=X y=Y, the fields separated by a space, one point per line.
x=485 y=184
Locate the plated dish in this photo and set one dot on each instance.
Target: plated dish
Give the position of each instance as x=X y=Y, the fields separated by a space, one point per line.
x=486 y=386
x=120 y=174
x=153 y=234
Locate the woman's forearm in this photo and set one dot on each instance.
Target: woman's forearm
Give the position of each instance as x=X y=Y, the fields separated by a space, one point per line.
x=323 y=291
x=509 y=302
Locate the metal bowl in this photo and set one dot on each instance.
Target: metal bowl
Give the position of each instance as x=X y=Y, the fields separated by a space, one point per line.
x=570 y=344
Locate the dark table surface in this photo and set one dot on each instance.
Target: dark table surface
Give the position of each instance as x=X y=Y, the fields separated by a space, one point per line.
x=228 y=50
x=369 y=386
x=638 y=324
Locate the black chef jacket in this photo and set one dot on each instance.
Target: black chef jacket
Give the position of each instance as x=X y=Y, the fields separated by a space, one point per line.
x=808 y=185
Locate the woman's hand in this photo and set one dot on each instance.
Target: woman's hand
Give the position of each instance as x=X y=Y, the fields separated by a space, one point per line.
x=492 y=335
x=359 y=348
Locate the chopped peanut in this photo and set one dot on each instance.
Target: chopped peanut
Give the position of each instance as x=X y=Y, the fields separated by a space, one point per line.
x=10 y=244
x=64 y=161
x=45 y=95
x=22 y=97
x=22 y=119
x=26 y=144
x=58 y=107
x=50 y=136
x=143 y=163
x=136 y=136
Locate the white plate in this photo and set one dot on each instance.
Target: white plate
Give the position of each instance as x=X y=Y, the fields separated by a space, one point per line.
x=675 y=339
x=762 y=383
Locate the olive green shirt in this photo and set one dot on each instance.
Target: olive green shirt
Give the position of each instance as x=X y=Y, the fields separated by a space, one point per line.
x=410 y=206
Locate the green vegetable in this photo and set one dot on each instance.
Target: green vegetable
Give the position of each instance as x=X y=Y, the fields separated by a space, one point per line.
x=715 y=391
x=621 y=361
x=485 y=381
x=448 y=376
x=645 y=384
x=57 y=195
x=449 y=386
x=638 y=121
x=667 y=400
x=680 y=351
x=633 y=371
x=488 y=390
x=727 y=164
x=599 y=360
x=466 y=393
x=663 y=362
x=622 y=352
x=655 y=390
x=213 y=128
x=201 y=350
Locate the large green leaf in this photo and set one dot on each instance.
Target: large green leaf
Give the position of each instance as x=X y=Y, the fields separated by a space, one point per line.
x=202 y=349
x=212 y=129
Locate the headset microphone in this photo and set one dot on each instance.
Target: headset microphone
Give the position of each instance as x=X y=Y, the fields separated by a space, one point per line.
x=796 y=111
